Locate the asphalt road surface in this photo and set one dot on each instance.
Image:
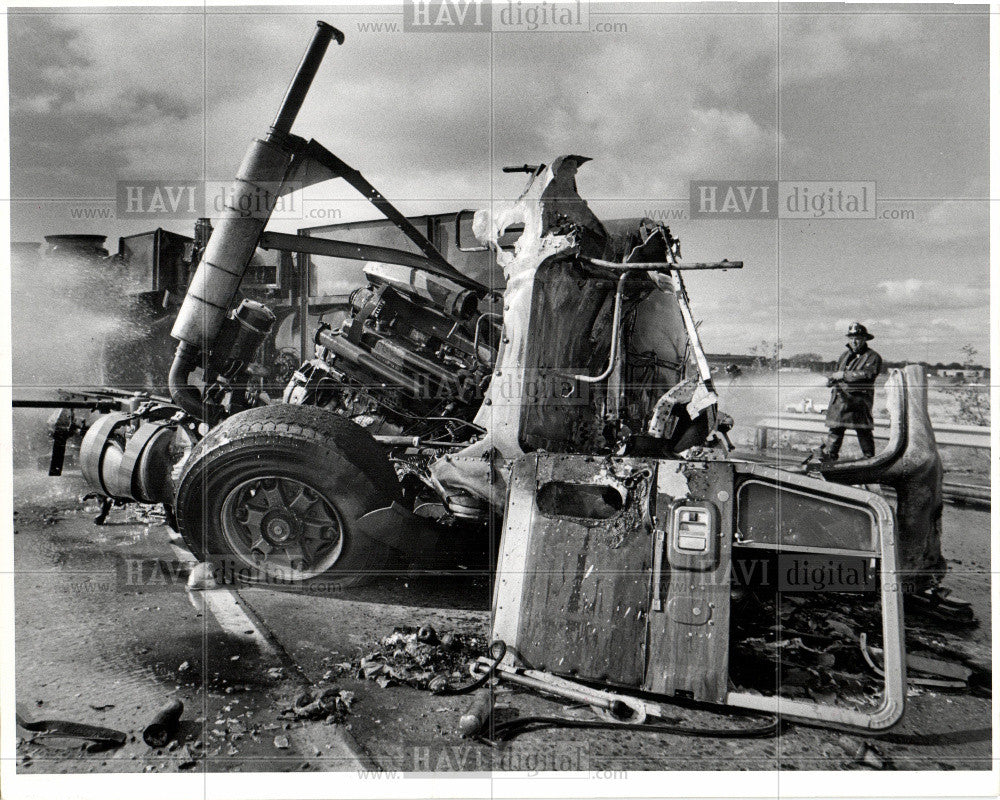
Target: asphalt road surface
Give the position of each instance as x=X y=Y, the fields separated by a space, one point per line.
x=106 y=632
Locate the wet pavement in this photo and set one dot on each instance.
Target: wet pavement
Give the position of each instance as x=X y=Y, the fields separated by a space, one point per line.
x=107 y=633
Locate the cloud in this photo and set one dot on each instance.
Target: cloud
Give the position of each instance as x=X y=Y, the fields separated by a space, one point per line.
x=724 y=142
x=97 y=97
x=160 y=103
x=950 y=221
x=820 y=46
x=53 y=52
x=918 y=319
x=913 y=293
x=902 y=296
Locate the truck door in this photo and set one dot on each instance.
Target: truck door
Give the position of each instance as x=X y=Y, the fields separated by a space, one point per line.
x=572 y=594
x=688 y=644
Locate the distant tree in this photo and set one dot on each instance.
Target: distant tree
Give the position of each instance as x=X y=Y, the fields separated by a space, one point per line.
x=767 y=354
x=970 y=358
x=973 y=401
x=805 y=359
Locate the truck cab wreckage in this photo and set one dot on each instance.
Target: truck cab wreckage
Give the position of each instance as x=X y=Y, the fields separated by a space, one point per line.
x=575 y=404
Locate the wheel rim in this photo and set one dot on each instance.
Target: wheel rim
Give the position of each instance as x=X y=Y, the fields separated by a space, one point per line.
x=282 y=527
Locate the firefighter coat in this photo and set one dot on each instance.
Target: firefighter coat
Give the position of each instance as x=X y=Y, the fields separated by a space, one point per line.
x=853 y=398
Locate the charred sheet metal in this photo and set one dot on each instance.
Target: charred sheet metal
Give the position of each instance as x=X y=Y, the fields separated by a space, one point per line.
x=618 y=570
x=573 y=592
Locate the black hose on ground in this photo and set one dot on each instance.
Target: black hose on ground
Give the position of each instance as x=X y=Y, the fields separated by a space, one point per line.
x=497 y=651
x=505 y=731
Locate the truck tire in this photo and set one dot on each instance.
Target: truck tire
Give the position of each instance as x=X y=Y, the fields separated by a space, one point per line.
x=273 y=493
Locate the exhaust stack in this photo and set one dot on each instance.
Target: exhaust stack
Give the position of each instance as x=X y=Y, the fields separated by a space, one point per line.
x=214 y=287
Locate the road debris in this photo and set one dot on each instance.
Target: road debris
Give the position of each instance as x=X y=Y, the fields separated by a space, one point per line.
x=103 y=737
x=188 y=758
x=202 y=577
x=863 y=754
x=476 y=715
x=331 y=704
x=164 y=724
x=824 y=648
x=403 y=659
x=931 y=672
x=427 y=635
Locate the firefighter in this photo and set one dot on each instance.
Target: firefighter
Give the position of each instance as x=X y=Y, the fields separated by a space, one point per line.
x=853 y=394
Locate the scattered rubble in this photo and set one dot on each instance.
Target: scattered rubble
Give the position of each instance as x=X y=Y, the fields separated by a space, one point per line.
x=808 y=646
x=818 y=647
x=163 y=727
x=418 y=657
x=145 y=514
x=794 y=645
x=188 y=758
x=331 y=704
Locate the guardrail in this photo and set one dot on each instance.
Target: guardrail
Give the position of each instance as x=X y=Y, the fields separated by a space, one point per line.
x=944 y=433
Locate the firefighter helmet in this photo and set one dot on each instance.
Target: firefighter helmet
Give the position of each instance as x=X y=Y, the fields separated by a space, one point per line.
x=857 y=329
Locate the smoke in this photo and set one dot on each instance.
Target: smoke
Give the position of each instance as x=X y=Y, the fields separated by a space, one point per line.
x=64 y=309
x=753 y=396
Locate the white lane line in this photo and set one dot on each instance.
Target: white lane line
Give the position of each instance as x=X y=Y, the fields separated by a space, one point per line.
x=231 y=616
x=221 y=602
x=336 y=742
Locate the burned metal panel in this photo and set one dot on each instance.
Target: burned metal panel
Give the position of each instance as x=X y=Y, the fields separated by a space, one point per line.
x=585 y=531
x=685 y=595
x=559 y=413
x=555 y=228
x=689 y=619
x=510 y=572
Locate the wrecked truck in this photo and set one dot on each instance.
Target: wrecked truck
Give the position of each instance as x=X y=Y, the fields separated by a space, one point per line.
x=571 y=403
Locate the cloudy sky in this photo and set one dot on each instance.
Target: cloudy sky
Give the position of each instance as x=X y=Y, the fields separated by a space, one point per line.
x=897 y=95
